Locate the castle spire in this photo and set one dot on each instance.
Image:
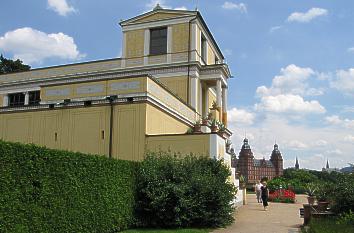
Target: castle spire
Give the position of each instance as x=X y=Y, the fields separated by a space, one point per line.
x=327 y=165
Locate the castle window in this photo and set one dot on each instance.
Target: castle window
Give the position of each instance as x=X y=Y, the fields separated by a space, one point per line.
x=16 y=99
x=203 y=48
x=158 y=41
x=34 y=97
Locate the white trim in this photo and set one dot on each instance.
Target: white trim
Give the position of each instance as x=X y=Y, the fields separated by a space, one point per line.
x=160 y=23
x=146 y=46
x=206 y=96
x=200 y=97
x=193 y=44
x=169 y=43
x=20 y=90
x=213 y=143
x=209 y=40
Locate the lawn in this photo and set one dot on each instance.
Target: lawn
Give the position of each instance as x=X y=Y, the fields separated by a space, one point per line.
x=328 y=225
x=189 y=230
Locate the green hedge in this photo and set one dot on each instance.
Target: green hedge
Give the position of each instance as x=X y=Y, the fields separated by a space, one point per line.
x=44 y=190
x=183 y=192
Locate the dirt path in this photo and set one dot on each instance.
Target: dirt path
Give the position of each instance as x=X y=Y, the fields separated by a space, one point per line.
x=280 y=217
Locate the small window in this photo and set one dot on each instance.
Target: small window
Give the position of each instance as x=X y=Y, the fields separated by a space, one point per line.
x=204 y=49
x=34 y=97
x=158 y=41
x=16 y=99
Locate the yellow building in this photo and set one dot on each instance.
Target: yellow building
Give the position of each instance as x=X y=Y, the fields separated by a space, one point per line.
x=170 y=74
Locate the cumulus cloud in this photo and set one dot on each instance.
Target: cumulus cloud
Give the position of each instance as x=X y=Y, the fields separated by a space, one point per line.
x=344 y=81
x=235 y=6
x=240 y=116
x=349 y=138
x=61 y=7
x=33 y=46
x=292 y=80
x=307 y=16
x=289 y=104
x=296 y=145
x=343 y=122
x=152 y=4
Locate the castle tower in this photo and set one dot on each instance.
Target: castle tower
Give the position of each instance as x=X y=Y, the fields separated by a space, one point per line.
x=277 y=160
x=245 y=164
x=327 y=165
x=297 y=167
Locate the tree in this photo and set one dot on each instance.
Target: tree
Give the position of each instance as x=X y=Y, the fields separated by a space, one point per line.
x=10 y=66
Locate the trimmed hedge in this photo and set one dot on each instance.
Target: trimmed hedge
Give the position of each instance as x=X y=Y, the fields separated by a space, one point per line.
x=184 y=192
x=44 y=190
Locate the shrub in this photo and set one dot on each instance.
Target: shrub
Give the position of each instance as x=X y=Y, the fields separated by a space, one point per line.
x=183 y=192
x=45 y=190
x=282 y=195
x=343 y=194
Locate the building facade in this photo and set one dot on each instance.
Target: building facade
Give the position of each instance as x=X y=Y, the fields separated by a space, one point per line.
x=171 y=75
x=253 y=169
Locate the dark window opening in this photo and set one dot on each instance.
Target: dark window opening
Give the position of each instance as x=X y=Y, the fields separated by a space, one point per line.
x=34 y=97
x=16 y=99
x=204 y=49
x=158 y=41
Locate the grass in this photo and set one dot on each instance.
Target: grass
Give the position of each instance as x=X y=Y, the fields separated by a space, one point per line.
x=328 y=225
x=187 y=230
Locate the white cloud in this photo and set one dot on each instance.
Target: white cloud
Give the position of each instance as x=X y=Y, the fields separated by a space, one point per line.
x=182 y=8
x=335 y=151
x=61 y=7
x=336 y=120
x=307 y=16
x=292 y=80
x=33 y=46
x=296 y=145
x=320 y=142
x=350 y=50
x=344 y=81
x=349 y=138
x=234 y=6
x=289 y=104
x=240 y=116
x=275 y=28
x=152 y=4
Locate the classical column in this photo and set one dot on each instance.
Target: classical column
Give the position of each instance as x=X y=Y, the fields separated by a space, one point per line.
x=224 y=105
x=5 y=101
x=218 y=93
x=26 y=98
x=193 y=92
x=194 y=41
x=206 y=99
x=169 y=44
x=146 y=46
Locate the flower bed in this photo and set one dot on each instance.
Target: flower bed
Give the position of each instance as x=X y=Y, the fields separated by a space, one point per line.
x=282 y=195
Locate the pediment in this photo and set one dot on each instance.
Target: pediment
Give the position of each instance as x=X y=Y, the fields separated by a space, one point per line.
x=158 y=15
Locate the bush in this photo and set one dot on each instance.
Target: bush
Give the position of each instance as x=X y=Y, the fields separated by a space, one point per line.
x=282 y=195
x=183 y=192
x=45 y=190
x=343 y=194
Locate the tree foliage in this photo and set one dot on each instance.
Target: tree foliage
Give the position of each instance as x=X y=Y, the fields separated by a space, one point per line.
x=10 y=66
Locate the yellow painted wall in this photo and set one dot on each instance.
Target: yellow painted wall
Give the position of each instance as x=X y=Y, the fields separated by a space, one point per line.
x=1 y=100
x=180 y=37
x=178 y=85
x=129 y=131
x=184 y=144
x=134 y=43
x=211 y=55
x=75 y=129
x=159 y=122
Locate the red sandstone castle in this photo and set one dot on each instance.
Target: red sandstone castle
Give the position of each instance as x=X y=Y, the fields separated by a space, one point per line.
x=255 y=169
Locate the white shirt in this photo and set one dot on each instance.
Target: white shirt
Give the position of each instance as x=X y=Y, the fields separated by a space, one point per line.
x=258 y=187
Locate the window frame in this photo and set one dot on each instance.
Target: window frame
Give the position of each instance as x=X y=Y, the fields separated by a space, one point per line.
x=16 y=99
x=36 y=100
x=203 y=48
x=158 y=49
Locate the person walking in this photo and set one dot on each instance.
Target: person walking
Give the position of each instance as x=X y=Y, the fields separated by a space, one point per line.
x=265 y=195
x=258 y=191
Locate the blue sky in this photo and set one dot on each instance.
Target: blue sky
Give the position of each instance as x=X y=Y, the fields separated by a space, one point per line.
x=292 y=61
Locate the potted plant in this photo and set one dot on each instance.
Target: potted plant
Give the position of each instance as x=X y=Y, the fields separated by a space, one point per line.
x=190 y=130
x=210 y=116
x=205 y=121
x=311 y=189
x=214 y=105
x=214 y=126
x=222 y=129
x=197 y=127
x=322 y=196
